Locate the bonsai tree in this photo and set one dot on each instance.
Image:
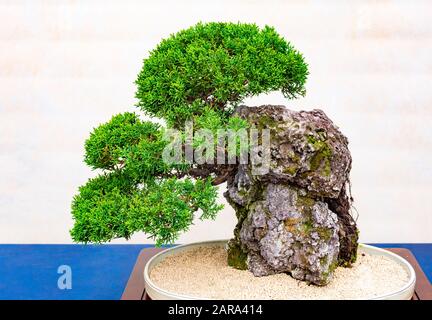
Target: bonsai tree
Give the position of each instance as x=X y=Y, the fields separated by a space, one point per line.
x=293 y=217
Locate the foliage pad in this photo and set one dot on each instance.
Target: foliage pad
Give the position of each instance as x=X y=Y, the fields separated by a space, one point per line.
x=217 y=65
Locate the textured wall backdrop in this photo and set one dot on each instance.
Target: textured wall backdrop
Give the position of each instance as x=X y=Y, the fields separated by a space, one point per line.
x=66 y=66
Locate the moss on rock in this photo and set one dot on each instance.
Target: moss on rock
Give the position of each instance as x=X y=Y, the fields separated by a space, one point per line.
x=321 y=160
x=237 y=258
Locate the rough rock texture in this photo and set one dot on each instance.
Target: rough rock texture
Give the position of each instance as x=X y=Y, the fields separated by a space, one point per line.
x=295 y=216
x=306 y=148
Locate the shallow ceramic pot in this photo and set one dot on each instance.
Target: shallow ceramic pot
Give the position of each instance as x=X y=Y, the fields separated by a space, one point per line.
x=157 y=293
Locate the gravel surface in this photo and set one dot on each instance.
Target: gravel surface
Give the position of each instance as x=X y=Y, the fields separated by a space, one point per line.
x=203 y=272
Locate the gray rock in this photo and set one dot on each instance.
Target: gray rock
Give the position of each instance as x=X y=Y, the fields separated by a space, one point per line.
x=306 y=148
x=285 y=224
x=289 y=232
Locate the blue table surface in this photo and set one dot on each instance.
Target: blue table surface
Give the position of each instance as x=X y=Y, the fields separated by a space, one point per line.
x=98 y=271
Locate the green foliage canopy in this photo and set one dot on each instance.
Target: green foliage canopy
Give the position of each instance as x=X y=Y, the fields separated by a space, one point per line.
x=217 y=65
x=200 y=74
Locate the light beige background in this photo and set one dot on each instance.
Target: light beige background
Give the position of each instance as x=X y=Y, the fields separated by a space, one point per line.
x=66 y=66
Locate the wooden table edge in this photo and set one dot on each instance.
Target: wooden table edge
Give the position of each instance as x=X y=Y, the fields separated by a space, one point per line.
x=135 y=286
